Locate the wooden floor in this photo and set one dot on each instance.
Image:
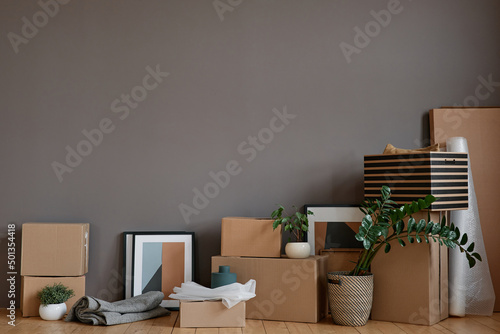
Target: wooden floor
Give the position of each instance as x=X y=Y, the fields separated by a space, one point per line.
x=170 y=324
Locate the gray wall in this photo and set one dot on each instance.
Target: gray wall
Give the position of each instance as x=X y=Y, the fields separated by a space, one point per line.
x=225 y=78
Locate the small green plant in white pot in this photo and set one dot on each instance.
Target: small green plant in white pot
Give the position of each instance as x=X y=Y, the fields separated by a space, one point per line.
x=52 y=301
x=298 y=225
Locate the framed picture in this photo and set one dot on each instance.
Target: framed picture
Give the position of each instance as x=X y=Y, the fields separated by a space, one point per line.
x=333 y=226
x=157 y=261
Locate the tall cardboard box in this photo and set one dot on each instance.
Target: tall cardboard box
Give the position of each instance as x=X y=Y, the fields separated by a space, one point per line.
x=211 y=314
x=253 y=237
x=411 y=283
x=54 y=249
x=30 y=285
x=480 y=127
x=287 y=289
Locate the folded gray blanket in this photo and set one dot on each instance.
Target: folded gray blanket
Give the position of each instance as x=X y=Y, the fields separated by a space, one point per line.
x=99 y=312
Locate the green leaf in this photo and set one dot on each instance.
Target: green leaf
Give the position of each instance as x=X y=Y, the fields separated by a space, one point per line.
x=452 y=235
x=443 y=221
x=472 y=261
x=387 y=247
x=421 y=204
x=464 y=239
x=411 y=225
x=470 y=249
x=410 y=239
x=428 y=228
x=444 y=232
x=420 y=226
x=414 y=207
x=359 y=237
x=304 y=228
x=386 y=192
x=367 y=221
x=426 y=238
x=436 y=229
x=429 y=199
x=367 y=244
x=400 y=226
x=401 y=242
x=363 y=230
x=417 y=237
x=476 y=255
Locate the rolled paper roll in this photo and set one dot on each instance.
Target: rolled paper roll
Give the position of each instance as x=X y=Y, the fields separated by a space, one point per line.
x=470 y=289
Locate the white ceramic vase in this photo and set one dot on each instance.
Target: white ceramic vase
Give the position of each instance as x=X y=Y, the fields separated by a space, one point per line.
x=297 y=250
x=52 y=311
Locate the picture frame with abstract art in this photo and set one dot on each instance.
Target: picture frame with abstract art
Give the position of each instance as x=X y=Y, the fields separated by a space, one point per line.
x=333 y=226
x=157 y=261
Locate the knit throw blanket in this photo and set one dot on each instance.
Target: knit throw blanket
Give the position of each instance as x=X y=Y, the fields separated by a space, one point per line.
x=99 y=312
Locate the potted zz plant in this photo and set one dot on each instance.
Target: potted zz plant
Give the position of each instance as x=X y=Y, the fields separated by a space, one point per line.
x=298 y=225
x=351 y=293
x=52 y=301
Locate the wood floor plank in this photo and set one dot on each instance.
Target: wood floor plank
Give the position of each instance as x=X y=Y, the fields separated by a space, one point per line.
x=139 y=327
x=178 y=330
x=90 y=329
x=207 y=331
x=254 y=327
x=496 y=316
x=384 y=327
x=326 y=326
x=298 y=328
x=275 y=327
x=164 y=325
x=487 y=321
x=420 y=329
x=465 y=326
x=230 y=330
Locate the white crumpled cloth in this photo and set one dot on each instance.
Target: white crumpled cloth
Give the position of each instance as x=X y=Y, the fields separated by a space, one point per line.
x=230 y=294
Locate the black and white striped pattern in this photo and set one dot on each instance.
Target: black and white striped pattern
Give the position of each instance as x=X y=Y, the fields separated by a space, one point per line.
x=413 y=176
x=350 y=298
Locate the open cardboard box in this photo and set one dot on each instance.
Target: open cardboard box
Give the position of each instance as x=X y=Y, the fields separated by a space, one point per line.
x=286 y=289
x=211 y=314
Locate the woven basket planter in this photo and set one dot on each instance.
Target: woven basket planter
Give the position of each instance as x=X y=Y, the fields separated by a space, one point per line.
x=350 y=298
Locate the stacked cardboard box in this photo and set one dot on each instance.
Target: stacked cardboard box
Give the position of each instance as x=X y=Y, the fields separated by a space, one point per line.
x=52 y=253
x=287 y=289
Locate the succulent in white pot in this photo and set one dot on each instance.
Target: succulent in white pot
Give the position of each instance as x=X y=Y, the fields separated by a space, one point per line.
x=52 y=301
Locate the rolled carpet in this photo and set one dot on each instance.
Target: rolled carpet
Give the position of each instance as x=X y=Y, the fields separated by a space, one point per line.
x=95 y=311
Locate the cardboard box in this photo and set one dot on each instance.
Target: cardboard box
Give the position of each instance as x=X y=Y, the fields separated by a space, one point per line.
x=341 y=259
x=416 y=175
x=31 y=285
x=287 y=289
x=480 y=127
x=54 y=249
x=411 y=283
x=211 y=314
x=250 y=237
